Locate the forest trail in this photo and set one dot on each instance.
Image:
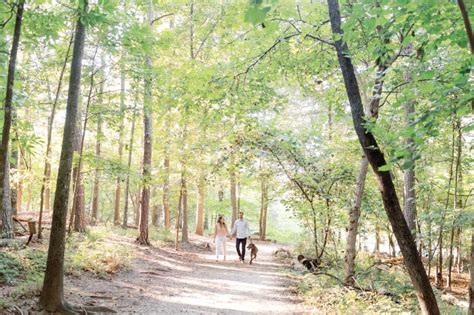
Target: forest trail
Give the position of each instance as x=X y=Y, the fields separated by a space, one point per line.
x=165 y=281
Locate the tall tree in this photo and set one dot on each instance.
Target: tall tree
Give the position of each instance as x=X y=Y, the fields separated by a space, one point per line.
x=376 y=159
x=147 y=144
x=45 y=192
x=52 y=294
x=5 y=199
x=118 y=189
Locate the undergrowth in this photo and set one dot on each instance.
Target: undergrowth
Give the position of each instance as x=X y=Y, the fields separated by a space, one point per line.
x=388 y=291
x=97 y=251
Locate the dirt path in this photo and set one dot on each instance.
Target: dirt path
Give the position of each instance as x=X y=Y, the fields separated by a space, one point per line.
x=164 y=281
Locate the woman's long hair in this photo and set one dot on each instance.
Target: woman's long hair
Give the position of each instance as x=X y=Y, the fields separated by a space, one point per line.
x=219 y=220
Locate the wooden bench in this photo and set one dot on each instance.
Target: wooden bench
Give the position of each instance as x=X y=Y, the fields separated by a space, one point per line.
x=31 y=226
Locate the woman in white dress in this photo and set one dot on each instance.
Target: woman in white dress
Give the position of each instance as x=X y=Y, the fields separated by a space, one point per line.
x=220 y=237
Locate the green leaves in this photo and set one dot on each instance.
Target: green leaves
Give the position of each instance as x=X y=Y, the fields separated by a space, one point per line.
x=256 y=12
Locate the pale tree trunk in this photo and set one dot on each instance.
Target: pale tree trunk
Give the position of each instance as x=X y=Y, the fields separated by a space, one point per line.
x=471 y=267
x=354 y=214
x=6 y=224
x=118 y=188
x=166 y=179
x=96 y=184
x=147 y=147
x=45 y=193
x=19 y=192
x=78 y=220
x=439 y=263
x=262 y=223
x=201 y=191
x=14 y=164
x=409 y=209
x=233 y=186
x=52 y=295
x=129 y=166
x=184 y=189
x=456 y=202
x=377 y=239
x=421 y=283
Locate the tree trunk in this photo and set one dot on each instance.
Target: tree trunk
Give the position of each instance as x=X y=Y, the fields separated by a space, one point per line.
x=147 y=148
x=45 y=193
x=52 y=295
x=118 y=188
x=166 y=183
x=19 y=192
x=96 y=187
x=354 y=214
x=127 y=181
x=233 y=191
x=376 y=158
x=201 y=191
x=78 y=204
x=6 y=226
x=377 y=239
x=14 y=163
x=456 y=203
x=409 y=209
x=262 y=223
x=471 y=267
x=439 y=263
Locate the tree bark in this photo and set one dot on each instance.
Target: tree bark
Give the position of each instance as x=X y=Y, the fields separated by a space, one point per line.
x=118 y=188
x=166 y=182
x=96 y=187
x=376 y=158
x=456 y=202
x=6 y=225
x=354 y=214
x=409 y=209
x=233 y=187
x=262 y=223
x=52 y=295
x=147 y=147
x=78 y=205
x=471 y=282
x=45 y=185
x=129 y=165
x=201 y=191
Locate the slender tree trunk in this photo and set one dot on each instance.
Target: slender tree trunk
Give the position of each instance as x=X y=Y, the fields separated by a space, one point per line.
x=96 y=184
x=129 y=166
x=78 y=220
x=14 y=163
x=354 y=214
x=471 y=267
x=184 y=205
x=456 y=205
x=201 y=192
x=166 y=182
x=376 y=158
x=19 y=193
x=96 y=188
x=147 y=147
x=45 y=193
x=439 y=263
x=6 y=226
x=262 y=223
x=118 y=188
x=52 y=295
x=409 y=208
x=233 y=187
x=377 y=239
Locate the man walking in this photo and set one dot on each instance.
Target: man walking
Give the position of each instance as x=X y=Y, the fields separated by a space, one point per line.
x=242 y=231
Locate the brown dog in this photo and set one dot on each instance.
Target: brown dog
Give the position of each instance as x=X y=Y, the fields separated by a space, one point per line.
x=253 y=251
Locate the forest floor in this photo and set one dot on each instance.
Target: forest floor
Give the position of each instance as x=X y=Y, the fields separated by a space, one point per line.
x=163 y=280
